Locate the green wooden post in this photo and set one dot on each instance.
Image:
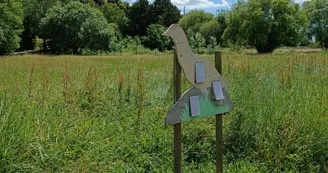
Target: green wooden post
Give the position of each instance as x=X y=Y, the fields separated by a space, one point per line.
x=218 y=118
x=177 y=127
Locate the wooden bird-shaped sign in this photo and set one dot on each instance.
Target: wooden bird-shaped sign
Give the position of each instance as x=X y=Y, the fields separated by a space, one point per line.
x=208 y=96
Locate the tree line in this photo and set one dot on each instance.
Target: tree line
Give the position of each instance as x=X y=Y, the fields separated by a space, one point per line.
x=77 y=26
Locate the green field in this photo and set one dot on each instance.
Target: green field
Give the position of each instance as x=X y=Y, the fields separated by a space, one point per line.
x=106 y=114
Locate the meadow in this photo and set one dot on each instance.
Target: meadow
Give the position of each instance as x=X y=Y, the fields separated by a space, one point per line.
x=106 y=114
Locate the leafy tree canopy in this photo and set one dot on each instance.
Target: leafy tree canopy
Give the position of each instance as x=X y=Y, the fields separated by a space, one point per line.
x=75 y=27
x=34 y=11
x=317 y=13
x=140 y=18
x=210 y=29
x=165 y=12
x=11 y=22
x=195 y=19
x=265 y=24
x=114 y=14
x=221 y=18
x=205 y=24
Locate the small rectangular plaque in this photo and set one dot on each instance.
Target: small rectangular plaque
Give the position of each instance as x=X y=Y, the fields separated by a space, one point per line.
x=200 y=72
x=194 y=106
x=218 y=91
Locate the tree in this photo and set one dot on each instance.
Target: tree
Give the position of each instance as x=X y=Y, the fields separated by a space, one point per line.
x=195 y=19
x=75 y=27
x=265 y=24
x=11 y=24
x=210 y=29
x=198 y=21
x=317 y=13
x=34 y=11
x=140 y=18
x=99 y=2
x=221 y=18
x=165 y=12
x=155 y=39
x=113 y=1
x=114 y=14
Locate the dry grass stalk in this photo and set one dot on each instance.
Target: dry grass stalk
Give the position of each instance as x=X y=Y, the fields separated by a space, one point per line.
x=91 y=83
x=244 y=67
x=45 y=82
x=285 y=74
x=30 y=82
x=67 y=85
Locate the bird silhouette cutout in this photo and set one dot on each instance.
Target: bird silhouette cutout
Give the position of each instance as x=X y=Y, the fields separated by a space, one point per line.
x=204 y=90
x=187 y=60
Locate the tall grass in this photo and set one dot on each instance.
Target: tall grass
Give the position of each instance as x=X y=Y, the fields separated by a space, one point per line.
x=81 y=114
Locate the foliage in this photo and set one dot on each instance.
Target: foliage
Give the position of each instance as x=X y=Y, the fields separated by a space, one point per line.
x=317 y=13
x=194 y=20
x=100 y=2
x=114 y=14
x=75 y=27
x=165 y=12
x=38 y=43
x=155 y=39
x=221 y=18
x=11 y=22
x=91 y=3
x=140 y=18
x=210 y=29
x=197 y=41
x=265 y=24
x=212 y=45
x=141 y=14
x=34 y=11
x=205 y=23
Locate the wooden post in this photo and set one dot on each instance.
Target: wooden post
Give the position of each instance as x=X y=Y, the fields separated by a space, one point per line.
x=177 y=127
x=218 y=118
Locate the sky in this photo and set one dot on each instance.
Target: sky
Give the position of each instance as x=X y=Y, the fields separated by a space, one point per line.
x=210 y=6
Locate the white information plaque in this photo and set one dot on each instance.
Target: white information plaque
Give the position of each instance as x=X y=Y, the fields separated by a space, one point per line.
x=200 y=72
x=218 y=91
x=194 y=106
